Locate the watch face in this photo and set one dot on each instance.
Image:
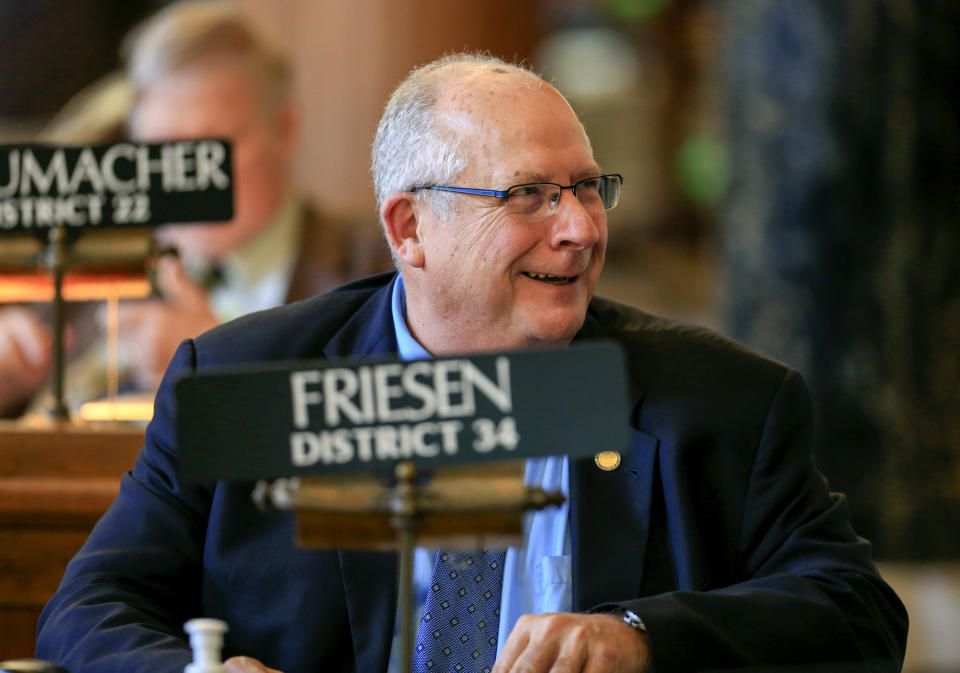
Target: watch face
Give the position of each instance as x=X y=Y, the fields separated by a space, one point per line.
x=631 y=619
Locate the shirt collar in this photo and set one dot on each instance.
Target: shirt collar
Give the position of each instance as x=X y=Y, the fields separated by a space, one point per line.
x=257 y=275
x=272 y=248
x=408 y=347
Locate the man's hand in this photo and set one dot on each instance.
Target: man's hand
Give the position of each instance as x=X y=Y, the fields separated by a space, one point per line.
x=150 y=331
x=247 y=665
x=564 y=642
x=24 y=357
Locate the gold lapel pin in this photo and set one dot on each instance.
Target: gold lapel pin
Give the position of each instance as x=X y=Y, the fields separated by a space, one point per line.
x=607 y=460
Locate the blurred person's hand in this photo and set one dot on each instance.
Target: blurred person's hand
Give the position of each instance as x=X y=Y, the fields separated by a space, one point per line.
x=151 y=330
x=246 y=665
x=24 y=357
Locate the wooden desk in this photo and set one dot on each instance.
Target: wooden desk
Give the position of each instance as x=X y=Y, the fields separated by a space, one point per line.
x=55 y=483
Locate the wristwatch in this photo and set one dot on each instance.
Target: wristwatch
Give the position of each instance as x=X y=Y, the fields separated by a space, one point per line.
x=630 y=618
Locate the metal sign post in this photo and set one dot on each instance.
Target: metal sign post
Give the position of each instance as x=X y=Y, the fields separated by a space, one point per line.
x=56 y=261
x=452 y=508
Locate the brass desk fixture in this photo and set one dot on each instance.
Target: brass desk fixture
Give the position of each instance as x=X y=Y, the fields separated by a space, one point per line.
x=108 y=266
x=480 y=505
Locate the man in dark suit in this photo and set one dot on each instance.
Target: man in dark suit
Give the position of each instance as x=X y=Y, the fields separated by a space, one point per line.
x=715 y=544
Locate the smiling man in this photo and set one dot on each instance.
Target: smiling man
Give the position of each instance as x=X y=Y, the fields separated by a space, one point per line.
x=713 y=544
x=517 y=269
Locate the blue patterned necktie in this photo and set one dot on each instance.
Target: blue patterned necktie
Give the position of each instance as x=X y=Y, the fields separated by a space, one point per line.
x=461 y=615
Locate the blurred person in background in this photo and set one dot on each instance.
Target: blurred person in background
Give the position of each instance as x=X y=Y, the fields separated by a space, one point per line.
x=201 y=69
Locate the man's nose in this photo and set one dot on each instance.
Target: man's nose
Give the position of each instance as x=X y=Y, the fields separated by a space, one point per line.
x=574 y=226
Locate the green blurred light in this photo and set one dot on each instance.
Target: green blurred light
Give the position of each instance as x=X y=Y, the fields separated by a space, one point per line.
x=635 y=10
x=700 y=168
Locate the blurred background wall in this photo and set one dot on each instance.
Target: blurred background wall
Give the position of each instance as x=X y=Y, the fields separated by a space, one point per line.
x=52 y=49
x=791 y=179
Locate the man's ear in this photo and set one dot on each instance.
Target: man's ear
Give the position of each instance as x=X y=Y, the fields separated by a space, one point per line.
x=401 y=219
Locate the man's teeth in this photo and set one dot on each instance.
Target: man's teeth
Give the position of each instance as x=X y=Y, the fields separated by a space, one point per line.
x=559 y=280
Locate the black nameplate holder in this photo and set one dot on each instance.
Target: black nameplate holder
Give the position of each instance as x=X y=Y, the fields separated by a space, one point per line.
x=340 y=417
x=387 y=454
x=56 y=193
x=117 y=185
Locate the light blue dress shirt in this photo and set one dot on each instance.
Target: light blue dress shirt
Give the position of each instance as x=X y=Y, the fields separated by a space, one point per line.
x=537 y=578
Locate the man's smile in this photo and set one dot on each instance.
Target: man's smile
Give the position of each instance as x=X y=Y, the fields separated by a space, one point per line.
x=550 y=278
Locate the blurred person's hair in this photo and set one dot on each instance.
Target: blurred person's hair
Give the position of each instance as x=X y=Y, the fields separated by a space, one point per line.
x=97 y=114
x=199 y=33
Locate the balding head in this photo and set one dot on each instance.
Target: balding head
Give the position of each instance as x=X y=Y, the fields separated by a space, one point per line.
x=414 y=145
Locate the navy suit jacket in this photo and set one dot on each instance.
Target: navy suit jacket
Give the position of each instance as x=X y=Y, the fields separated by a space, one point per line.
x=716 y=529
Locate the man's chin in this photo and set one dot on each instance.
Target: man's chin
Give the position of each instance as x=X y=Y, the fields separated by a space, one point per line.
x=557 y=330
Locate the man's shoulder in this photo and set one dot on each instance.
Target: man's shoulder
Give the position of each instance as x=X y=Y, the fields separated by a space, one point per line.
x=636 y=325
x=670 y=355
x=299 y=329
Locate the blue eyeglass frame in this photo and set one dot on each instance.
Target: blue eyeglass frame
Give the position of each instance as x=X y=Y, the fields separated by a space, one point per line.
x=503 y=194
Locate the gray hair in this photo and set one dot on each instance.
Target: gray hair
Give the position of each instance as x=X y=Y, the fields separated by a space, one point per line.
x=193 y=32
x=412 y=147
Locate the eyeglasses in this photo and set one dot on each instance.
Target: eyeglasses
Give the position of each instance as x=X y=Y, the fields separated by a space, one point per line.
x=536 y=200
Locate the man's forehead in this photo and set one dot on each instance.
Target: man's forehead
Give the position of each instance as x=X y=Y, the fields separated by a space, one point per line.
x=503 y=112
x=481 y=92
x=526 y=175
x=495 y=102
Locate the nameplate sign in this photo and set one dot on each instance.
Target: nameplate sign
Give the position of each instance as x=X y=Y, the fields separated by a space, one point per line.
x=353 y=416
x=118 y=185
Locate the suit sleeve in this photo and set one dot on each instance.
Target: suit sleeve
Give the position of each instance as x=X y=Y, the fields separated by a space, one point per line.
x=126 y=594
x=806 y=589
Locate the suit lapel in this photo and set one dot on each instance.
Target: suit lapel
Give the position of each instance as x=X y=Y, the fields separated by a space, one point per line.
x=609 y=524
x=369 y=578
x=610 y=511
x=370 y=586
x=369 y=331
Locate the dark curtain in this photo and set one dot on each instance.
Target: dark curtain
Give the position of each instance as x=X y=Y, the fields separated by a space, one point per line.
x=841 y=242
